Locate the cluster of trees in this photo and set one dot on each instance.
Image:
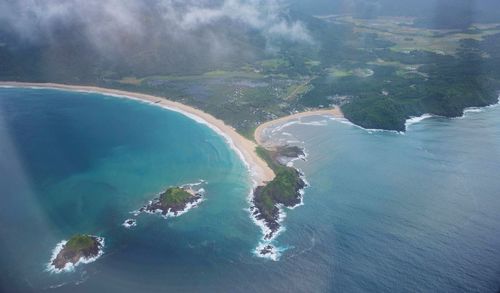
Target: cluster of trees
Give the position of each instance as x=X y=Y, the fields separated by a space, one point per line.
x=444 y=85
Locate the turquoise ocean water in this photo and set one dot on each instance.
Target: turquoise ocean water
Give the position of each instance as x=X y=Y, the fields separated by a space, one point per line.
x=385 y=212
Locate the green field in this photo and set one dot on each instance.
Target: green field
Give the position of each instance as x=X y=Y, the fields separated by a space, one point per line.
x=80 y=242
x=174 y=196
x=385 y=69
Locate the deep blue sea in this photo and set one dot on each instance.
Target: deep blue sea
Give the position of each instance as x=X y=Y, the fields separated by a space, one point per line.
x=385 y=212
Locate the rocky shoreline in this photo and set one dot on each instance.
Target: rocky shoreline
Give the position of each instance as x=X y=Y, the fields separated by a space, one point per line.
x=156 y=206
x=78 y=249
x=172 y=202
x=129 y=223
x=285 y=191
x=273 y=218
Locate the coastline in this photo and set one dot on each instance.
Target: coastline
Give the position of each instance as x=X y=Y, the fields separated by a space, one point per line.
x=69 y=267
x=259 y=170
x=413 y=120
x=260 y=130
x=261 y=173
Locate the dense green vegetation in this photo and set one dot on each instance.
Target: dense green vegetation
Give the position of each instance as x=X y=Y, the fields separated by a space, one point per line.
x=174 y=196
x=381 y=62
x=406 y=84
x=283 y=189
x=80 y=242
x=76 y=247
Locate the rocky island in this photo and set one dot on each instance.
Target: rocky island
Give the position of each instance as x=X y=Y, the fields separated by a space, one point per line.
x=129 y=223
x=174 y=201
x=78 y=249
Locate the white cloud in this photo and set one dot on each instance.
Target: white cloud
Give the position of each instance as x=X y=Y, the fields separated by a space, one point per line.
x=258 y=14
x=106 y=22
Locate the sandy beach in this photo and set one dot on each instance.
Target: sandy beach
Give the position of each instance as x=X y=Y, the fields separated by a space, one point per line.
x=260 y=171
x=258 y=168
x=259 y=132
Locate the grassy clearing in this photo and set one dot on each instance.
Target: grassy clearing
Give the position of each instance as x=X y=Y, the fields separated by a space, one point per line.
x=400 y=30
x=274 y=64
x=174 y=196
x=80 y=242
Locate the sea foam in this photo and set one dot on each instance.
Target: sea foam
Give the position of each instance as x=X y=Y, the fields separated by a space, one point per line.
x=416 y=119
x=70 y=267
x=201 y=191
x=276 y=252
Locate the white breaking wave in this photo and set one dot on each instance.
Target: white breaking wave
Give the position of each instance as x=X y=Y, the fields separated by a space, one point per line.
x=369 y=130
x=200 y=182
x=170 y=213
x=315 y=123
x=261 y=223
x=284 y=125
x=299 y=122
x=70 y=267
x=479 y=109
x=413 y=120
x=473 y=110
x=129 y=223
x=201 y=191
x=275 y=253
x=417 y=119
x=189 y=206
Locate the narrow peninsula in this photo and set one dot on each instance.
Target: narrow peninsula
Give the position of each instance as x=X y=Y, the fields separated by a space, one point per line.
x=284 y=190
x=275 y=185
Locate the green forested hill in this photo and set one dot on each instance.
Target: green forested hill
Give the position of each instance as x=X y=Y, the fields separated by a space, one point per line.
x=381 y=62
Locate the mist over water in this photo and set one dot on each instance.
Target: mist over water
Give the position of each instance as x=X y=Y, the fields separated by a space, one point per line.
x=385 y=211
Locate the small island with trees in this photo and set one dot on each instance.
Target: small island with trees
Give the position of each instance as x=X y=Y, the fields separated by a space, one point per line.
x=78 y=249
x=174 y=201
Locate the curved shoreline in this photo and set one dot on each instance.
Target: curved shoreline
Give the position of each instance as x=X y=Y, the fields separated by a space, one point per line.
x=260 y=130
x=259 y=170
x=68 y=267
